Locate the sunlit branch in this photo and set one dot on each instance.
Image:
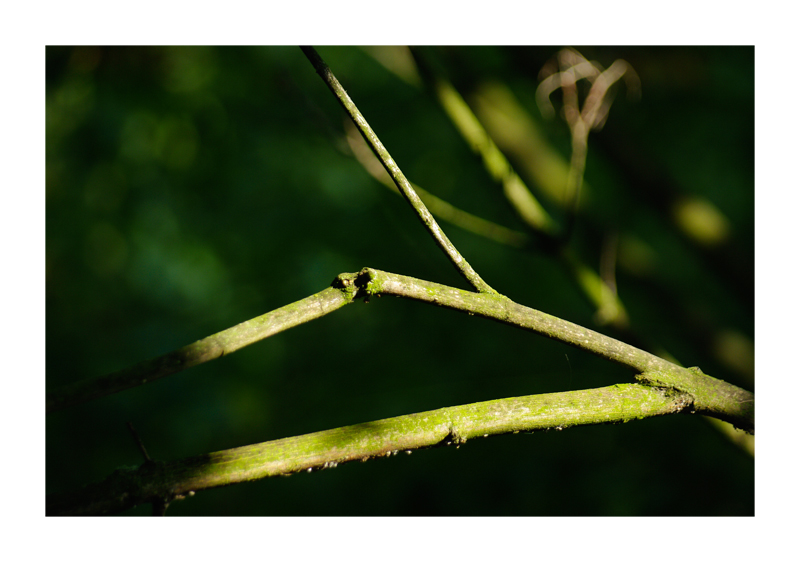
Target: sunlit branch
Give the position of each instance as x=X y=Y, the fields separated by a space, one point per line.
x=160 y=483
x=461 y=264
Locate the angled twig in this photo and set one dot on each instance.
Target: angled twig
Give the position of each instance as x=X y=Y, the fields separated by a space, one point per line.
x=461 y=264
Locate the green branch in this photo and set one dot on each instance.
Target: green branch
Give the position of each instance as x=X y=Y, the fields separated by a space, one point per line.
x=461 y=264
x=160 y=483
x=664 y=388
x=204 y=350
x=711 y=396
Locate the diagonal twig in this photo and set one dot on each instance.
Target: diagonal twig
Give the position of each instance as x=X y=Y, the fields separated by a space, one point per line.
x=461 y=264
x=206 y=349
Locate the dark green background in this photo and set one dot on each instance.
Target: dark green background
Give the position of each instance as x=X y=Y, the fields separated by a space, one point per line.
x=190 y=189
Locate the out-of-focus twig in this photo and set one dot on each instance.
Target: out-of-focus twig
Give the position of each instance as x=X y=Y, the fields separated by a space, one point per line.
x=581 y=120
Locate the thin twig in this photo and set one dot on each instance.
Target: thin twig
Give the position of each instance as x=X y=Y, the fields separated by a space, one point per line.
x=139 y=443
x=609 y=307
x=581 y=120
x=461 y=264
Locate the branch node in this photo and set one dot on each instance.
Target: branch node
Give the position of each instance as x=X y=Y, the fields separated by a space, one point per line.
x=453 y=437
x=346 y=282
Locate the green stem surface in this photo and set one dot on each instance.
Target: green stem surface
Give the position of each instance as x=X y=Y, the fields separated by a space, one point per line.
x=711 y=396
x=160 y=483
x=201 y=351
x=461 y=264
